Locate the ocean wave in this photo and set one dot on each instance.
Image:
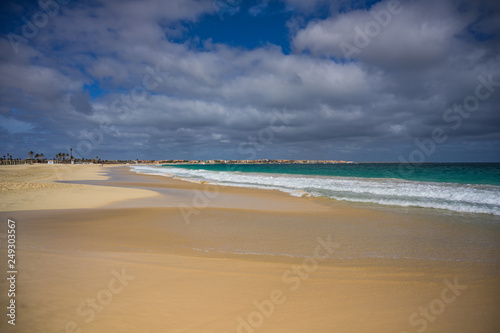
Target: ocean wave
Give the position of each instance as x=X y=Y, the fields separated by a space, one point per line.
x=450 y=196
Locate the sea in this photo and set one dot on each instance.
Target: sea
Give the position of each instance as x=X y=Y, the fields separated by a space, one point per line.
x=460 y=187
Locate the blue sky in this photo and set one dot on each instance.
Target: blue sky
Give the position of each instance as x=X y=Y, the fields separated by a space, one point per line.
x=234 y=79
x=250 y=27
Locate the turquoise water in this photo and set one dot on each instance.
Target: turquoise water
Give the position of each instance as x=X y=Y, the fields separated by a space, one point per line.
x=460 y=187
x=460 y=173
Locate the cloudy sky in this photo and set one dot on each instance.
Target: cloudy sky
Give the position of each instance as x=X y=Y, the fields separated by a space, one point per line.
x=303 y=79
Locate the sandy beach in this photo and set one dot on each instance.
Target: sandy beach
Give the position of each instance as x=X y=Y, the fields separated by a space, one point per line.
x=102 y=249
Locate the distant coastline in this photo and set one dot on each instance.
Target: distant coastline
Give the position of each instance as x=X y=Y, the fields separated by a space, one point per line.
x=260 y=161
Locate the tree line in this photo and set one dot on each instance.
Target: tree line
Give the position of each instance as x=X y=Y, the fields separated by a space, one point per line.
x=33 y=157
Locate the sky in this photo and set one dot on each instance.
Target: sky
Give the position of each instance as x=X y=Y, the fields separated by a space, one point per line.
x=382 y=81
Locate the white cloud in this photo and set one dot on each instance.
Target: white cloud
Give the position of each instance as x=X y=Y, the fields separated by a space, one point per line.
x=396 y=89
x=409 y=34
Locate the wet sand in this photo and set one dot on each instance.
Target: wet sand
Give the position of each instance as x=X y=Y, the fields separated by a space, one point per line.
x=135 y=253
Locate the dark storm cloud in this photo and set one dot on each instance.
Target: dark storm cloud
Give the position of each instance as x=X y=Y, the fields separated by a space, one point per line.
x=190 y=99
x=81 y=103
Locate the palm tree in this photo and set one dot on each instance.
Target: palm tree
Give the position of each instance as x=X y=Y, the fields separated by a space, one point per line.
x=30 y=154
x=37 y=156
x=41 y=156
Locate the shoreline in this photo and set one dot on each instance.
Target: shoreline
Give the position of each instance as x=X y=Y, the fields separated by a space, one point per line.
x=363 y=187
x=120 y=188
x=67 y=256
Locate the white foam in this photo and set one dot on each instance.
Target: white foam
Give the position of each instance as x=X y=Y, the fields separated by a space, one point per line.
x=450 y=196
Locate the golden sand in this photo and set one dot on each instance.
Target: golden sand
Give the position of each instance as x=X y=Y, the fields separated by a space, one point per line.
x=34 y=187
x=125 y=258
